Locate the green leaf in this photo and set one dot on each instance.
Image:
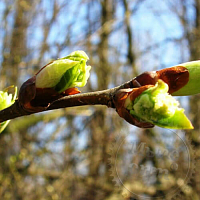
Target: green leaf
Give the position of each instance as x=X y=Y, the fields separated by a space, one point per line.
x=177 y=121
x=50 y=76
x=68 y=79
x=65 y=73
x=6 y=100
x=77 y=56
x=156 y=106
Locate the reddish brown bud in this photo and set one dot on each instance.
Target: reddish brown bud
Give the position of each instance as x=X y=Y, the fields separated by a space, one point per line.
x=147 y=78
x=176 y=77
x=119 y=100
x=35 y=99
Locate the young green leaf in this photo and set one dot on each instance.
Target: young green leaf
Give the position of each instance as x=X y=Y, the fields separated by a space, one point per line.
x=65 y=73
x=57 y=79
x=156 y=106
x=6 y=100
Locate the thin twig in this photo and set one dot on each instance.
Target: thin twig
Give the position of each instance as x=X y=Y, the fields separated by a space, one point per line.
x=104 y=97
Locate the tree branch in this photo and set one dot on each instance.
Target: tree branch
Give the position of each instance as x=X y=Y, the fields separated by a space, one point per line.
x=104 y=97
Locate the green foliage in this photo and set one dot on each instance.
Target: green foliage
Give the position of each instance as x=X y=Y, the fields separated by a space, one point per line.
x=64 y=73
x=156 y=106
x=6 y=100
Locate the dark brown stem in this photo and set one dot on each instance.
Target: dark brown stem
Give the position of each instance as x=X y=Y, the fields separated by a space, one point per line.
x=104 y=97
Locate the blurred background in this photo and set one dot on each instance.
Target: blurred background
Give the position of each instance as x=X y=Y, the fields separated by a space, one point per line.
x=65 y=154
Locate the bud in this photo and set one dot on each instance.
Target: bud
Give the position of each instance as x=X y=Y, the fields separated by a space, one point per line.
x=182 y=80
x=55 y=80
x=64 y=73
x=192 y=86
x=6 y=100
x=176 y=77
x=152 y=104
x=119 y=100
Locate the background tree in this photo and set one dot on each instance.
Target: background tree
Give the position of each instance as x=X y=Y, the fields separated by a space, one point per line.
x=63 y=154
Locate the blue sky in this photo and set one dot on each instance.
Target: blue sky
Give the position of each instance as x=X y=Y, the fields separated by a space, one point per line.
x=151 y=24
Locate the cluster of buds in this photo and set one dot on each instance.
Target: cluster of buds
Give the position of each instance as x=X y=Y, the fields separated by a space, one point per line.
x=151 y=103
x=148 y=103
x=55 y=80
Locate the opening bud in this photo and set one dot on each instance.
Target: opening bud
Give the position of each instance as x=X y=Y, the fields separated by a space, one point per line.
x=64 y=73
x=55 y=80
x=156 y=106
x=6 y=100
